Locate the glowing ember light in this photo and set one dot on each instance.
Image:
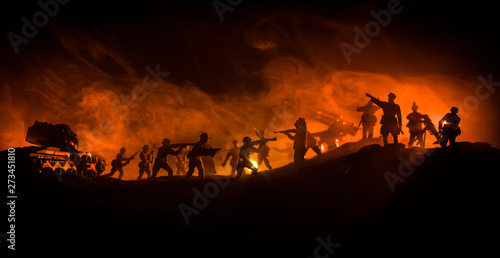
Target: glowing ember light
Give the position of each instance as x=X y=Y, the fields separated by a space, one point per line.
x=337 y=143
x=254 y=163
x=322 y=147
x=444 y=123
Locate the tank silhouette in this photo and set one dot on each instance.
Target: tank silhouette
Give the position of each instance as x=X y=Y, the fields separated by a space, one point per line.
x=57 y=152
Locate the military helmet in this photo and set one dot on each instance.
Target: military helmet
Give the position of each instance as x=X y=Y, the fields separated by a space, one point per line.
x=122 y=149
x=203 y=136
x=145 y=147
x=166 y=141
x=454 y=110
x=392 y=95
x=247 y=139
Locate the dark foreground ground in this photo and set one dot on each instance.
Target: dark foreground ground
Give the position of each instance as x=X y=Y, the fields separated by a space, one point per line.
x=446 y=205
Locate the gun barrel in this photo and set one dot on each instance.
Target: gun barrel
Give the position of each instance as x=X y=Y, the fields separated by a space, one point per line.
x=175 y=145
x=286 y=131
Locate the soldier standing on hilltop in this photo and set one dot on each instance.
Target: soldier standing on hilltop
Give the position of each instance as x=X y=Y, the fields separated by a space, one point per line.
x=161 y=157
x=368 y=119
x=415 y=121
x=391 y=119
x=449 y=127
x=299 y=140
x=146 y=157
x=233 y=157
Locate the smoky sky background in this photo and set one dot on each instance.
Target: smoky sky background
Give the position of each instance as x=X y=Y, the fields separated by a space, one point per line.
x=93 y=51
x=187 y=37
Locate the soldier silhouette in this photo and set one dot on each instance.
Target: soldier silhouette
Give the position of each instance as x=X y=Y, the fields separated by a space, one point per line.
x=368 y=119
x=194 y=156
x=264 y=150
x=391 y=119
x=415 y=122
x=146 y=157
x=118 y=163
x=244 y=157
x=161 y=157
x=233 y=157
x=180 y=162
x=449 y=127
x=299 y=141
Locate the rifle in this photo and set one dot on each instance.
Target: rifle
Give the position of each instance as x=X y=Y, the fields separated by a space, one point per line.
x=175 y=145
x=203 y=152
x=119 y=165
x=263 y=141
x=286 y=131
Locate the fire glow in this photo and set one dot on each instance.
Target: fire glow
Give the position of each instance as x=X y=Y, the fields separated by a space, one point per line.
x=74 y=90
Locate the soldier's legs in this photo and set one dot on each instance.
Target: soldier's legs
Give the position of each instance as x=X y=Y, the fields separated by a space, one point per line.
x=168 y=169
x=199 y=166
x=316 y=149
x=268 y=164
x=395 y=137
x=452 y=140
x=234 y=166
x=156 y=168
x=384 y=137
x=413 y=138
x=365 y=132
x=298 y=156
x=191 y=167
x=120 y=175
x=141 y=172
x=370 y=132
x=148 y=172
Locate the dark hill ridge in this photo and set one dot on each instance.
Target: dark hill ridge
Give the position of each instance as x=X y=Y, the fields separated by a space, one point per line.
x=447 y=197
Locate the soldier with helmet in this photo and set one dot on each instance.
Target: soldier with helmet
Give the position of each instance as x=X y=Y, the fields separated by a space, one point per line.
x=299 y=140
x=118 y=163
x=194 y=156
x=264 y=150
x=245 y=150
x=449 y=127
x=161 y=157
x=146 y=157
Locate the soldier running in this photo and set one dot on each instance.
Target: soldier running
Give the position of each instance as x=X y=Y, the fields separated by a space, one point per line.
x=161 y=157
x=118 y=163
x=391 y=119
x=244 y=157
x=146 y=157
x=233 y=157
x=264 y=150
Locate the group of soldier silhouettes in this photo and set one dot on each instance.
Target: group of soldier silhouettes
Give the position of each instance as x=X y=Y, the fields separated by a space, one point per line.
x=239 y=157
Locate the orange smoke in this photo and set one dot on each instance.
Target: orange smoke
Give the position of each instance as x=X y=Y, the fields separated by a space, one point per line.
x=107 y=111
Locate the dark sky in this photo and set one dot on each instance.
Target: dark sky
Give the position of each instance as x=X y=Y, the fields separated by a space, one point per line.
x=191 y=42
